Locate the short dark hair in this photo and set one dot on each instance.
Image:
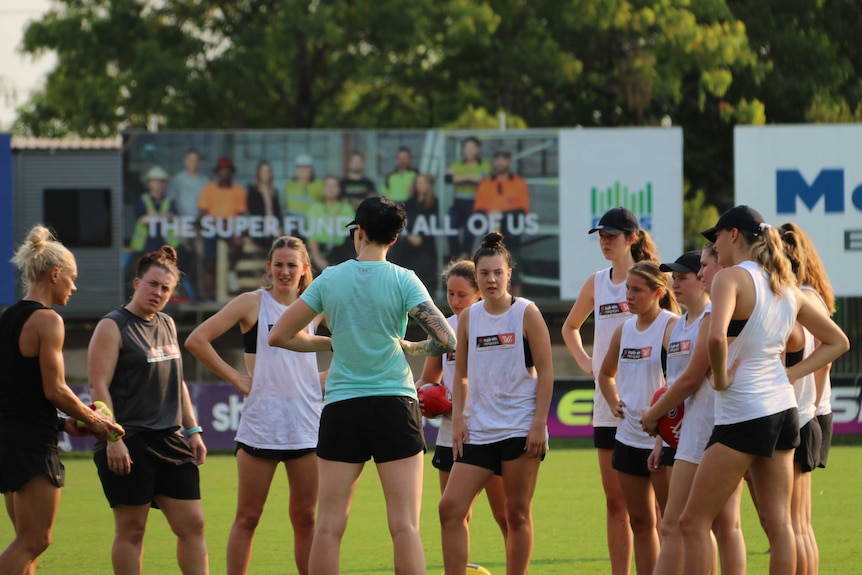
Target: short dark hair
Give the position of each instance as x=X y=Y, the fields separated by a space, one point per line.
x=380 y=218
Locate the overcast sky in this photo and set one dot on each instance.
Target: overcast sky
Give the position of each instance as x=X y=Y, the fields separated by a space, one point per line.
x=18 y=72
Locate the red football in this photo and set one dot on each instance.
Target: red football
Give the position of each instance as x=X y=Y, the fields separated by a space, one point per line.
x=435 y=399
x=669 y=424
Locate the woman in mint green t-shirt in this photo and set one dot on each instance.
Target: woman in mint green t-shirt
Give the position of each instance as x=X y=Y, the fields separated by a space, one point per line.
x=370 y=405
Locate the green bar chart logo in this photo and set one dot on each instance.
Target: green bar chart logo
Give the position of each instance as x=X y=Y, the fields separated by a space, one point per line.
x=638 y=201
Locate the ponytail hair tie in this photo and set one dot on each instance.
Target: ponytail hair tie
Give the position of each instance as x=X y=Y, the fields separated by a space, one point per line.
x=764 y=226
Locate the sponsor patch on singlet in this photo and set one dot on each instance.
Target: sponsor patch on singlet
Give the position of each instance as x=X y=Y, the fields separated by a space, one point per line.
x=498 y=341
x=682 y=347
x=165 y=352
x=450 y=357
x=633 y=354
x=608 y=310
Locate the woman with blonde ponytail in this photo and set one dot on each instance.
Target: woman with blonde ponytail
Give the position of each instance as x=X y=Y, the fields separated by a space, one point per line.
x=32 y=387
x=755 y=305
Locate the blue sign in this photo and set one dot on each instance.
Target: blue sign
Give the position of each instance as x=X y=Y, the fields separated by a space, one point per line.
x=829 y=185
x=7 y=230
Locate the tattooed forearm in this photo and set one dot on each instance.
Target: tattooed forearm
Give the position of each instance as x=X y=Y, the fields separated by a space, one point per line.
x=435 y=325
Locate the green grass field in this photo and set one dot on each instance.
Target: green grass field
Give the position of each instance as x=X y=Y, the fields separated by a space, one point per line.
x=568 y=515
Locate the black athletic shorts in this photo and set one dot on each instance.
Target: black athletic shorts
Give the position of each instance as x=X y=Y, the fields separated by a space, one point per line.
x=443 y=459
x=761 y=436
x=668 y=456
x=631 y=460
x=604 y=437
x=825 y=422
x=162 y=464
x=19 y=465
x=492 y=455
x=386 y=428
x=279 y=455
x=808 y=452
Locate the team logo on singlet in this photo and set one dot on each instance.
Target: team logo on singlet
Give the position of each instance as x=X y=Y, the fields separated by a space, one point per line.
x=682 y=347
x=450 y=357
x=165 y=352
x=500 y=340
x=609 y=310
x=636 y=354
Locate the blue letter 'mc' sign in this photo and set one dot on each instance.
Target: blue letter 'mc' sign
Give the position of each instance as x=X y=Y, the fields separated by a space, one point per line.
x=789 y=185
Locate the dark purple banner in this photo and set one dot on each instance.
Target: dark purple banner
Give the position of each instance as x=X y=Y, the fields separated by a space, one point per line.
x=219 y=407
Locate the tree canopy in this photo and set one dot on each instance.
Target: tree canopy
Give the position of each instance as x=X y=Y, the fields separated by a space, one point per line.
x=210 y=64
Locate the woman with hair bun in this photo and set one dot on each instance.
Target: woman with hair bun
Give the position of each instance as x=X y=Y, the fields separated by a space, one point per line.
x=136 y=368
x=755 y=305
x=624 y=243
x=32 y=388
x=504 y=378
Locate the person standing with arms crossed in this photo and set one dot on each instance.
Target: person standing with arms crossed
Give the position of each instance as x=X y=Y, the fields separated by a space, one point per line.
x=755 y=305
x=370 y=408
x=504 y=379
x=32 y=388
x=624 y=243
x=136 y=368
x=281 y=411
x=687 y=369
x=462 y=291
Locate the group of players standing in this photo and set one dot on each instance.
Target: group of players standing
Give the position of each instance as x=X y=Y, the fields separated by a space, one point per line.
x=365 y=406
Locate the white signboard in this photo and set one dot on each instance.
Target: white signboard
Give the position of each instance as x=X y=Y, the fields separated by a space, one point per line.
x=811 y=175
x=638 y=168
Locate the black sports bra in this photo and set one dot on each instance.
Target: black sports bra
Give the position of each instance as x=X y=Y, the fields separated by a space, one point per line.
x=735 y=327
x=249 y=339
x=793 y=357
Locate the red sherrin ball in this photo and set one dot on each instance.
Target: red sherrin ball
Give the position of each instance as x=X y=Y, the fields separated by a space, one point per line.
x=435 y=398
x=669 y=424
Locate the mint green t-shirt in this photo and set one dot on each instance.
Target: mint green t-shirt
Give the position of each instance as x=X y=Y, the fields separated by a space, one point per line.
x=366 y=305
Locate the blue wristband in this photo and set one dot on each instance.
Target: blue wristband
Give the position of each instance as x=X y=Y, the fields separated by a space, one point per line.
x=196 y=429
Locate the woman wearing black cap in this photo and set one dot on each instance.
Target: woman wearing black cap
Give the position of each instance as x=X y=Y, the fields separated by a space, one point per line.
x=624 y=243
x=755 y=306
x=370 y=406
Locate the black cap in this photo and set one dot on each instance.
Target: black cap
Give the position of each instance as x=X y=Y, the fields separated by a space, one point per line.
x=617 y=221
x=381 y=218
x=687 y=262
x=742 y=218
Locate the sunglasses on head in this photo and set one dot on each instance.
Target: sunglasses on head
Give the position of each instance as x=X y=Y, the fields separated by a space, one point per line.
x=352 y=229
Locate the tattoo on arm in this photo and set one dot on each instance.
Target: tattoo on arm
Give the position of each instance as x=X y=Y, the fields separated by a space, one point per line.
x=436 y=326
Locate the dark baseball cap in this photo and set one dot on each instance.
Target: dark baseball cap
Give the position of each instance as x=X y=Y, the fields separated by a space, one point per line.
x=381 y=218
x=617 y=221
x=743 y=218
x=687 y=262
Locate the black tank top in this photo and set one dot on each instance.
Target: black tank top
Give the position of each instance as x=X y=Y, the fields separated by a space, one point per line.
x=146 y=388
x=27 y=418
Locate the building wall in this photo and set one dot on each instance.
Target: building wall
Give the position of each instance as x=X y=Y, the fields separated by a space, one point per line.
x=100 y=274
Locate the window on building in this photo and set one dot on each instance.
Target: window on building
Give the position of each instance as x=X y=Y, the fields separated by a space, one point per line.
x=81 y=218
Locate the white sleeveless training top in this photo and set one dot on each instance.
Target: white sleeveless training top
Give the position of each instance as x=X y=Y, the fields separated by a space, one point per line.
x=825 y=405
x=700 y=405
x=444 y=434
x=610 y=311
x=502 y=395
x=282 y=410
x=639 y=375
x=805 y=388
x=760 y=386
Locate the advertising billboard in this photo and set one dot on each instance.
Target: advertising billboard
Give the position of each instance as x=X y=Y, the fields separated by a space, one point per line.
x=221 y=198
x=637 y=168
x=810 y=175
